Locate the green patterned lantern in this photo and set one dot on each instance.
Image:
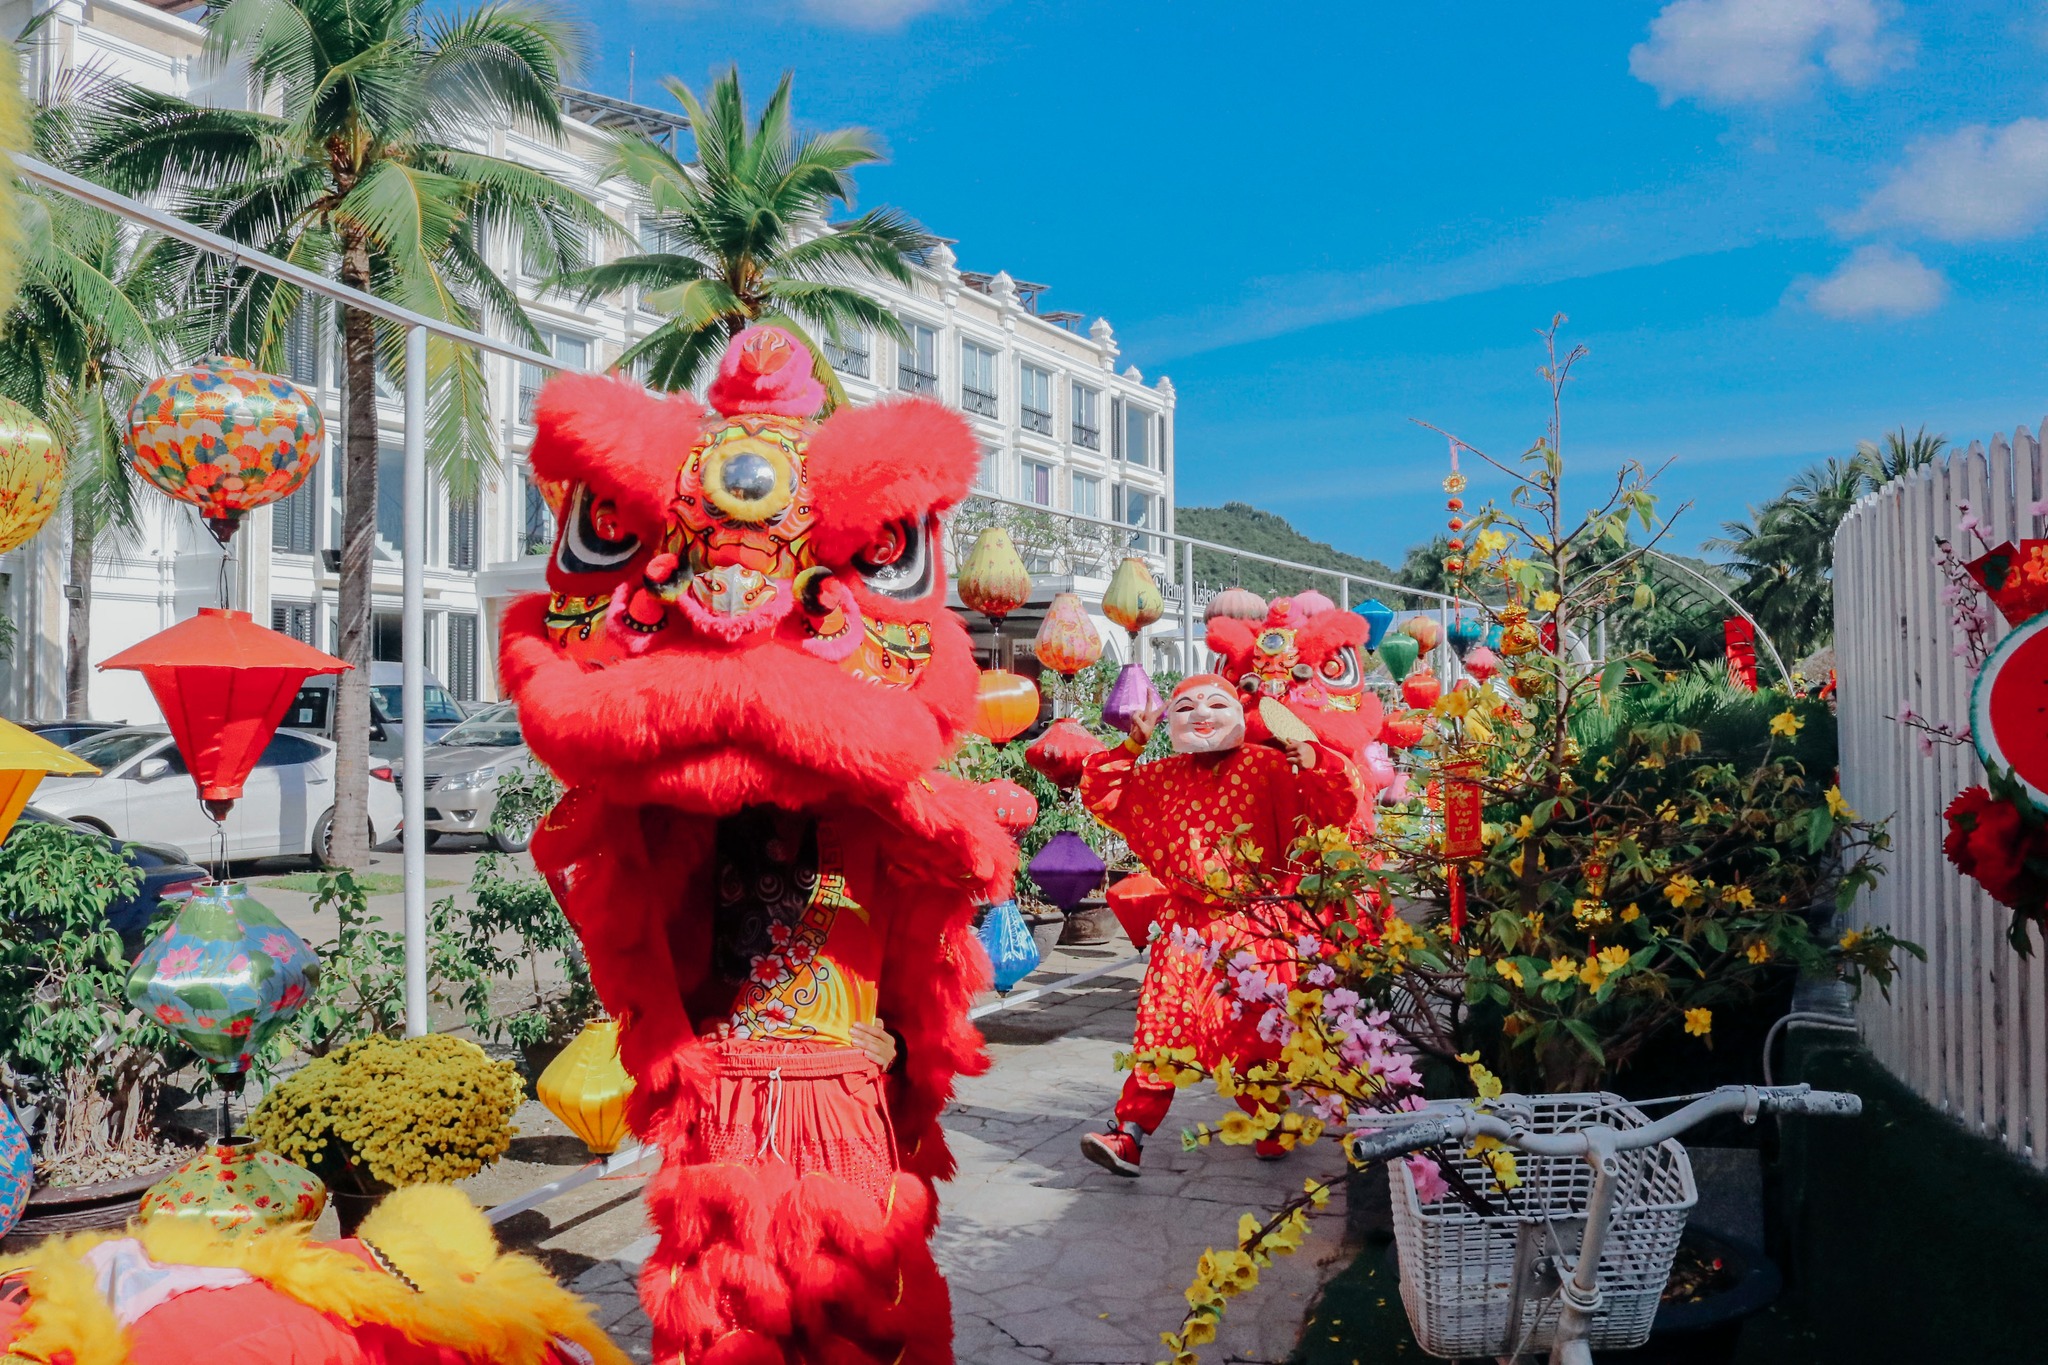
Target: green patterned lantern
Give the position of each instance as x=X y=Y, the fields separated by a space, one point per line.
x=235 y=1188
x=225 y=437
x=223 y=976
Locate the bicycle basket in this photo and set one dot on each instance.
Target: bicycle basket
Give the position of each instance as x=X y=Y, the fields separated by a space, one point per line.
x=1466 y=1279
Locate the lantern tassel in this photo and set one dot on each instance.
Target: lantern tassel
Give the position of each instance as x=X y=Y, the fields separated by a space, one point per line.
x=1457 y=885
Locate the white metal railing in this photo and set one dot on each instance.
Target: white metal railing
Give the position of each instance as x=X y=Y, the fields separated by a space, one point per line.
x=1968 y=1029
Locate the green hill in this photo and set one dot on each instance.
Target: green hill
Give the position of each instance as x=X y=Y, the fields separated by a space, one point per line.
x=1246 y=527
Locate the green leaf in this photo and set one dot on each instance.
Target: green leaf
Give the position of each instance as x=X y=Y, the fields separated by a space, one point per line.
x=1589 y=1040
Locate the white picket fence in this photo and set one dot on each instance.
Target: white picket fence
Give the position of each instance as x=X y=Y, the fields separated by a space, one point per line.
x=1967 y=1029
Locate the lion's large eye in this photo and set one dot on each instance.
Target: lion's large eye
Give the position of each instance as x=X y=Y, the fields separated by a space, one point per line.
x=593 y=541
x=1341 y=669
x=899 y=563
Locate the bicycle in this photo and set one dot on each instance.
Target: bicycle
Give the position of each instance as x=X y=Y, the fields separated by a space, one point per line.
x=1575 y=1282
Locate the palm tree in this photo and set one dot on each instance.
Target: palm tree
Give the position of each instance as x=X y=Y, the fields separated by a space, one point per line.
x=747 y=236
x=1785 y=552
x=365 y=173
x=89 y=322
x=1899 y=454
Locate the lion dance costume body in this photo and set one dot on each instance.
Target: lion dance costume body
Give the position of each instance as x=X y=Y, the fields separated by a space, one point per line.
x=745 y=677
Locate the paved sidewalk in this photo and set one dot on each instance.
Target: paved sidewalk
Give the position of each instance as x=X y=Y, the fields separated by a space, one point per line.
x=1050 y=1258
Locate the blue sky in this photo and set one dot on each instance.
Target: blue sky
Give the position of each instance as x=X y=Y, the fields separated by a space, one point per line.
x=1780 y=226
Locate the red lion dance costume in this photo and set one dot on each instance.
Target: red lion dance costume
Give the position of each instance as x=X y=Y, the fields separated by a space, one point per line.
x=746 y=677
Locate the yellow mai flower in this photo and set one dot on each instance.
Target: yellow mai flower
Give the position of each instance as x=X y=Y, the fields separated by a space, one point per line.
x=1785 y=723
x=1201 y=1332
x=1237 y=1129
x=1699 y=1023
x=1497 y=1159
x=1632 y=913
x=1851 y=939
x=1587 y=911
x=1561 y=969
x=1593 y=972
x=1614 y=958
x=1509 y=972
x=1741 y=895
x=1679 y=890
x=1838 y=807
x=1758 y=952
x=1546 y=600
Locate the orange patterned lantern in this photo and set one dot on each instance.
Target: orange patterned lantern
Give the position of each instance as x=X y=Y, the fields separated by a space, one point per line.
x=225 y=437
x=1005 y=705
x=993 y=581
x=31 y=474
x=586 y=1087
x=1423 y=631
x=1067 y=640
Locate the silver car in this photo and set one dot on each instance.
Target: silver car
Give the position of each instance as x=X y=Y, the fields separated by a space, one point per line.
x=462 y=772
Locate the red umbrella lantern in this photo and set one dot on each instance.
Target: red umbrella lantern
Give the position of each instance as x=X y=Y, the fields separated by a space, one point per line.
x=1062 y=751
x=223 y=683
x=1016 y=809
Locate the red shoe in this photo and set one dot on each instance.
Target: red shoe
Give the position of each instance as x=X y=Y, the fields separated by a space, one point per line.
x=1269 y=1149
x=1116 y=1151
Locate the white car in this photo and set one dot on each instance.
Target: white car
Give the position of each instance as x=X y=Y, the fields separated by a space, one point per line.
x=144 y=793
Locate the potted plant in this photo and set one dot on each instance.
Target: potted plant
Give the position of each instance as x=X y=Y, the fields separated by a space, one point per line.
x=78 y=1063
x=381 y=1113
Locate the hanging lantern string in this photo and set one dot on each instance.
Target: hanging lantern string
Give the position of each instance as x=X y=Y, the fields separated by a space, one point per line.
x=220 y=850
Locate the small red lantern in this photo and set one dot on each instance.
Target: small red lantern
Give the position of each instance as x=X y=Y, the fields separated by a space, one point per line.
x=1016 y=809
x=1403 y=729
x=1005 y=705
x=1060 y=753
x=223 y=683
x=1421 y=690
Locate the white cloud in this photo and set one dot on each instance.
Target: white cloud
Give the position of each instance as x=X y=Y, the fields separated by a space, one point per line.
x=1875 y=282
x=879 y=14
x=1762 y=51
x=1976 y=183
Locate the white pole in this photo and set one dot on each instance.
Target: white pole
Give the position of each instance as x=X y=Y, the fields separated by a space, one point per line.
x=414 y=693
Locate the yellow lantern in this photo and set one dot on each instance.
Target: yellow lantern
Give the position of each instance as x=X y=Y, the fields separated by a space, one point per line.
x=1133 y=600
x=993 y=581
x=31 y=474
x=24 y=759
x=586 y=1087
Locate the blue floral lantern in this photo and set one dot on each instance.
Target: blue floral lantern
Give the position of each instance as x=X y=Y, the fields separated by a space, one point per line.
x=1379 y=617
x=223 y=976
x=1465 y=632
x=17 y=1169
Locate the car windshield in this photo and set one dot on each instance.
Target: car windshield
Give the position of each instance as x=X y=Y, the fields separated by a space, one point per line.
x=441 y=708
x=110 y=750
x=494 y=727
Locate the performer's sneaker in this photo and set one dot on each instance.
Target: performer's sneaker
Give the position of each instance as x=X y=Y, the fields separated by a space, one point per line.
x=1269 y=1149
x=1116 y=1151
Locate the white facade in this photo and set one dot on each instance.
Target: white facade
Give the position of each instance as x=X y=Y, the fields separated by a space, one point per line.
x=1060 y=425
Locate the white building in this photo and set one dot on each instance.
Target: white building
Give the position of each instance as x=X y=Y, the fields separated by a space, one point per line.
x=1062 y=427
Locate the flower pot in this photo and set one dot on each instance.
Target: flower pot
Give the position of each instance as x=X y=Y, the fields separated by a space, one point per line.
x=1045 y=931
x=1708 y=1331
x=1089 y=924
x=56 y=1210
x=535 y=1058
x=351 y=1207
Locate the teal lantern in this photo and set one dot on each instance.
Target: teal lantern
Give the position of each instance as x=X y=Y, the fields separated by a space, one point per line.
x=1465 y=632
x=1379 y=617
x=223 y=976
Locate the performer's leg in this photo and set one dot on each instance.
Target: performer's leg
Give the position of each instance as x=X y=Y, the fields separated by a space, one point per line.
x=1144 y=1102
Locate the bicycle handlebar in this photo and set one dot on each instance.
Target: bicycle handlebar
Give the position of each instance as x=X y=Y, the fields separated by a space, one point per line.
x=1416 y=1129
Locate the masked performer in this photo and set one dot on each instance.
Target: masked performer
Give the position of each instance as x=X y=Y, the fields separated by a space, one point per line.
x=1176 y=814
x=746 y=677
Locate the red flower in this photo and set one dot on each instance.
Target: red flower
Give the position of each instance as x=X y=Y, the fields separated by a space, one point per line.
x=239 y=1028
x=1989 y=840
x=170 y=1014
x=203 y=475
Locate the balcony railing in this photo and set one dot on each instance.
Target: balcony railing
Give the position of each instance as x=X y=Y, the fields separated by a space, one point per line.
x=1034 y=420
x=1087 y=436
x=978 y=401
x=911 y=379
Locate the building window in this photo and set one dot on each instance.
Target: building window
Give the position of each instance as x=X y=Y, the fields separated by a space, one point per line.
x=462 y=532
x=387 y=636
x=1087 y=417
x=294 y=619
x=657 y=238
x=1133 y=434
x=1034 y=401
x=977 y=379
x=537 y=529
x=302 y=343
x=390 y=502
x=572 y=351
x=461 y=677
x=1038 y=483
x=291 y=521
x=1087 y=491
x=1137 y=508
x=917 y=359
x=849 y=356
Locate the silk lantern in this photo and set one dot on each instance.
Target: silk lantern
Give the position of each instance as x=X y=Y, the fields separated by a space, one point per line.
x=25 y=758
x=1066 y=870
x=1239 y=604
x=1379 y=619
x=1062 y=751
x=1067 y=640
x=235 y=1188
x=1403 y=729
x=1423 y=631
x=17 y=1169
x=1133 y=599
x=223 y=976
x=1482 y=663
x=1399 y=652
x=586 y=1087
x=1005 y=705
x=223 y=683
x=1465 y=633
x=225 y=437
x=993 y=581
x=1130 y=696
x=1421 y=690
x=31 y=474
x=1016 y=808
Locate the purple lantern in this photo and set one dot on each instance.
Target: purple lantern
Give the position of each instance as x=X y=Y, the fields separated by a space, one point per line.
x=1129 y=697
x=1067 y=870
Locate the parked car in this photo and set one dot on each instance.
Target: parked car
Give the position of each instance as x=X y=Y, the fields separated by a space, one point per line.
x=462 y=772
x=313 y=709
x=144 y=792
x=165 y=872
x=65 y=733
